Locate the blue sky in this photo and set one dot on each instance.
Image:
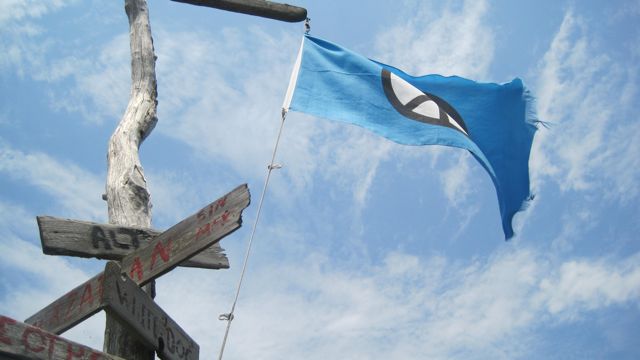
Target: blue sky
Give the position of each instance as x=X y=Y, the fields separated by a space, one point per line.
x=366 y=249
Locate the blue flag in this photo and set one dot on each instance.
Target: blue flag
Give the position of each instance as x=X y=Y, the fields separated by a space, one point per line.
x=492 y=121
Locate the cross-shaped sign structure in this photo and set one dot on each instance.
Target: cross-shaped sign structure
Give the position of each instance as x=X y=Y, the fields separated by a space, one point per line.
x=144 y=254
x=117 y=288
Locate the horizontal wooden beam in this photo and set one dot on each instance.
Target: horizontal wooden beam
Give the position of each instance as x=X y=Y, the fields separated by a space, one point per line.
x=111 y=242
x=22 y=341
x=262 y=8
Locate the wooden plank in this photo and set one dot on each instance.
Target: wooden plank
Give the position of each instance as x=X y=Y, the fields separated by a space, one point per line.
x=22 y=341
x=152 y=324
x=262 y=8
x=166 y=251
x=188 y=237
x=110 y=242
x=73 y=307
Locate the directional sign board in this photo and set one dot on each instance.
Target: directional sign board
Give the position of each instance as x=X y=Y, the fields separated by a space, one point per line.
x=75 y=306
x=163 y=253
x=111 y=242
x=22 y=341
x=136 y=309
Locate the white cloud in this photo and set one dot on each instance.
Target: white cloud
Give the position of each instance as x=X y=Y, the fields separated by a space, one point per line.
x=584 y=93
x=76 y=190
x=455 y=179
x=16 y=10
x=404 y=307
x=579 y=285
x=55 y=276
x=33 y=279
x=227 y=108
x=216 y=97
x=453 y=42
x=20 y=52
x=101 y=81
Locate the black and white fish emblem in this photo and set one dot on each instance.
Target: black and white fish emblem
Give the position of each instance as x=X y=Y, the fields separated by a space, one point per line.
x=420 y=106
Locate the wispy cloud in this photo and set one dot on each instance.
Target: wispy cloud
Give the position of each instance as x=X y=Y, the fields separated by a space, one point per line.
x=16 y=10
x=405 y=307
x=455 y=41
x=101 y=81
x=31 y=280
x=227 y=108
x=75 y=190
x=585 y=94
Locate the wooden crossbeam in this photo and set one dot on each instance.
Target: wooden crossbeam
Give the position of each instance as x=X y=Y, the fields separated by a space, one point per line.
x=21 y=341
x=110 y=242
x=262 y=8
x=165 y=252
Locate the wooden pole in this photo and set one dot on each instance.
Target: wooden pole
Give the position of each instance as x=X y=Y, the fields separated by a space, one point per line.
x=127 y=196
x=262 y=8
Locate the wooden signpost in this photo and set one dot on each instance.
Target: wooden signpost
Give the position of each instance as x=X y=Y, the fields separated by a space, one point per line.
x=135 y=308
x=116 y=292
x=111 y=242
x=136 y=325
x=22 y=341
x=163 y=253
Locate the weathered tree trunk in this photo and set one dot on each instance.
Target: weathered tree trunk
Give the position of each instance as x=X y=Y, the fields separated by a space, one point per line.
x=127 y=196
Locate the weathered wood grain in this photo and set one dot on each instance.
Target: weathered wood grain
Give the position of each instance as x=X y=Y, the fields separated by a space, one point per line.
x=73 y=307
x=163 y=253
x=136 y=309
x=188 y=237
x=128 y=199
x=262 y=8
x=22 y=341
x=110 y=242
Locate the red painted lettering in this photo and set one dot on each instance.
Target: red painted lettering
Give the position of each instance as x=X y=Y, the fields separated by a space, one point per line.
x=136 y=268
x=87 y=295
x=201 y=215
x=3 y=321
x=55 y=319
x=71 y=354
x=25 y=340
x=161 y=250
x=222 y=218
x=52 y=343
x=100 y=286
x=96 y=356
x=203 y=230
x=211 y=209
x=220 y=203
x=72 y=302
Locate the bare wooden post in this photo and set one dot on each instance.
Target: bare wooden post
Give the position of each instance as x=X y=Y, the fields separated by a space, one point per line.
x=127 y=196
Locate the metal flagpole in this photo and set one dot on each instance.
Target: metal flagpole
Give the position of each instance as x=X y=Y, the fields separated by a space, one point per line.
x=272 y=166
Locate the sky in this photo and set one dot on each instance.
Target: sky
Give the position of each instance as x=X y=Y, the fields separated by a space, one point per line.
x=365 y=249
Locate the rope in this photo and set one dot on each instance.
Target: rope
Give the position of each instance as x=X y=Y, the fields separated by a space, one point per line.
x=272 y=166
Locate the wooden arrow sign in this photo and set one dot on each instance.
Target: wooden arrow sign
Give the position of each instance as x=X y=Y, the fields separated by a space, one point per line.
x=22 y=341
x=135 y=308
x=110 y=242
x=165 y=252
